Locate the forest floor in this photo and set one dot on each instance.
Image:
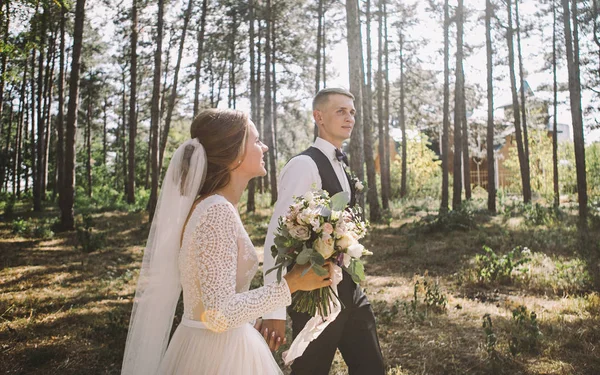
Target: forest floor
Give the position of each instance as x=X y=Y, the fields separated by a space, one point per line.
x=64 y=309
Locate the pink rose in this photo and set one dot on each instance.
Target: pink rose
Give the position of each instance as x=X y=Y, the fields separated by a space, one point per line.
x=327 y=228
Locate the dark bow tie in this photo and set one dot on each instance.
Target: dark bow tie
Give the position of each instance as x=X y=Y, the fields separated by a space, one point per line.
x=341 y=156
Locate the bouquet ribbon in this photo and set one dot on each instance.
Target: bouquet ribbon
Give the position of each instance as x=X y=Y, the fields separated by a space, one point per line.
x=317 y=324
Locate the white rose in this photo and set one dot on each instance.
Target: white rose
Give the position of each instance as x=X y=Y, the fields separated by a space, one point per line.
x=347 y=259
x=324 y=247
x=309 y=196
x=356 y=250
x=345 y=241
x=299 y=232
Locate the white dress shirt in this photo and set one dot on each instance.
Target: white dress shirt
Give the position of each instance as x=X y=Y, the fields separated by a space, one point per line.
x=297 y=178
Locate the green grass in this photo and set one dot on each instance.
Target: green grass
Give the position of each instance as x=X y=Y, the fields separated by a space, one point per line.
x=64 y=311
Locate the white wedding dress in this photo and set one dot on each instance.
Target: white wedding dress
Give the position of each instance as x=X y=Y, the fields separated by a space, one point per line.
x=217 y=262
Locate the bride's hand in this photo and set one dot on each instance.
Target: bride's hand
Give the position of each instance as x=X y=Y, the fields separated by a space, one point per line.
x=310 y=281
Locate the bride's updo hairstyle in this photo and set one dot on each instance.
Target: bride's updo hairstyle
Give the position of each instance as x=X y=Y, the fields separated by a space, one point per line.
x=223 y=134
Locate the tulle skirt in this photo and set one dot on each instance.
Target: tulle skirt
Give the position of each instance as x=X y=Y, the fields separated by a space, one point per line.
x=196 y=350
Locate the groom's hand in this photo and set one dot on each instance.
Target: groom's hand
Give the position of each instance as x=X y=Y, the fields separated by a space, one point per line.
x=273 y=330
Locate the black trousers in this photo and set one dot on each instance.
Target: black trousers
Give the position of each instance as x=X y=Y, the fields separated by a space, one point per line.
x=353 y=332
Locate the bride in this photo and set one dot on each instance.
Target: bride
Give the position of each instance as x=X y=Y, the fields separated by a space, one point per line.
x=197 y=244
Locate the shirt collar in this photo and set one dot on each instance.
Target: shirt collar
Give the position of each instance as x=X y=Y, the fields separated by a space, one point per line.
x=326 y=148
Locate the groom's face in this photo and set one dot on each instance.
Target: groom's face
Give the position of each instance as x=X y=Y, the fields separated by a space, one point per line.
x=335 y=118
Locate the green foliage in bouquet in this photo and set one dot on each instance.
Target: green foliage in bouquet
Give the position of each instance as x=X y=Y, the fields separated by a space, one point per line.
x=317 y=229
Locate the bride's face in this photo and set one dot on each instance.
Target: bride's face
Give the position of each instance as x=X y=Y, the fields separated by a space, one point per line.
x=253 y=164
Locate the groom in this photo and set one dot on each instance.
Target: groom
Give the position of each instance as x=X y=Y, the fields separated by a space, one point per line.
x=353 y=332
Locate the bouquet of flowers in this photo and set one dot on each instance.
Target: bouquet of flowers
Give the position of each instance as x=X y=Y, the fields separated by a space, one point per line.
x=318 y=228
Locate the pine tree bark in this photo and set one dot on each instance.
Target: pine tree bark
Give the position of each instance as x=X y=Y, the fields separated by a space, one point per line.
x=268 y=124
x=367 y=103
x=491 y=165
x=386 y=104
x=132 y=105
x=380 y=119
x=318 y=56
x=465 y=143
x=173 y=96
x=403 y=188
x=88 y=145
x=60 y=120
x=356 y=83
x=251 y=201
x=572 y=49
x=555 y=113
x=155 y=109
x=522 y=92
x=68 y=189
x=200 y=53
x=446 y=114
x=524 y=166
x=458 y=108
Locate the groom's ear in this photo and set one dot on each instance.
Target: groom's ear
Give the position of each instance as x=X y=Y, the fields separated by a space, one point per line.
x=318 y=116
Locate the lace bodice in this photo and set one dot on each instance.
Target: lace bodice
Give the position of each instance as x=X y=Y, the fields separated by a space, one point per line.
x=217 y=262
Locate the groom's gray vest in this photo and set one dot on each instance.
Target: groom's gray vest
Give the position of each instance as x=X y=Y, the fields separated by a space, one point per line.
x=350 y=293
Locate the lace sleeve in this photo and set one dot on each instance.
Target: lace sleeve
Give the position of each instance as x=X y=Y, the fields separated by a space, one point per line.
x=224 y=309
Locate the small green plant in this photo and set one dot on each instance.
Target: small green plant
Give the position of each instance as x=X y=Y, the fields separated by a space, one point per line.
x=411 y=308
x=432 y=299
x=87 y=240
x=492 y=268
x=20 y=227
x=525 y=333
x=386 y=313
x=42 y=230
x=490 y=336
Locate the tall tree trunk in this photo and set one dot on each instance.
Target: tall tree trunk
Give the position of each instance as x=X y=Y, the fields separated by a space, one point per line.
x=380 y=120
x=88 y=145
x=48 y=90
x=16 y=173
x=367 y=99
x=318 y=56
x=155 y=110
x=123 y=131
x=39 y=185
x=465 y=143
x=198 y=65
x=251 y=202
x=173 y=96
x=572 y=49
x=104 y=129
x=68 y=189
x=491 y=181
x=446 y=113
x=4 y=26
x=260 y=181
x=356 y=82
x=34 y=166
x=403 y=189
x=458 y=108
x=522 y=91
x=232 y=65
x=555 y=113
x=132 y=105
x=275 y=150
x=269 y=134
x=386 y=103
x=524 y=166
x=60 y=120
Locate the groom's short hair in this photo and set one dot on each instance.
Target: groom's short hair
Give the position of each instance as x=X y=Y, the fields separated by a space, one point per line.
x=323 y=95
